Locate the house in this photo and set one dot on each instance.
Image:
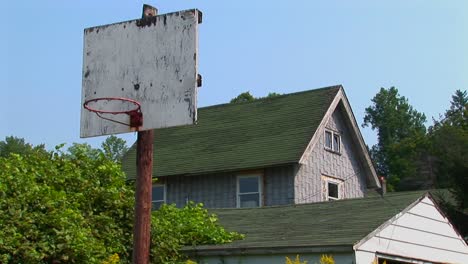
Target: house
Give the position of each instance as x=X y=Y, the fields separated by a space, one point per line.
x=406 y=227
x=291 y=149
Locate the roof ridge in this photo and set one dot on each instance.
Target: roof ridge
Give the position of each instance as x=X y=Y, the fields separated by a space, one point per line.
x=261 y=99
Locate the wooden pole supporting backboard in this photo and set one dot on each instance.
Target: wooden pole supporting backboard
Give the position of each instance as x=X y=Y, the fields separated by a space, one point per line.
x=150 y=63
x=142 y=223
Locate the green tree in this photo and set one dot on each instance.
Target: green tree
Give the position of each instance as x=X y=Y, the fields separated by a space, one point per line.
x=449 y=138
x=57 y=208
x=114 y=148
x=457 y=115
x=247 y=97
x=75 y=206
x=273 y=94
x=172 y=228
x=400 y=131
x=17 y=145
x=242 y=98
x=78 y=149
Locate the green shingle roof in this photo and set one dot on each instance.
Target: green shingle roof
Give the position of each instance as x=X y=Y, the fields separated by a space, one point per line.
x=337 y=223
x=227 y=137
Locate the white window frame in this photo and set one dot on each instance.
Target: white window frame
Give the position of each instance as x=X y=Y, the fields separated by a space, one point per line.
x=331 y=198
x=260 y=189
x=338 y=182
x=164 y=194
x=333 y=146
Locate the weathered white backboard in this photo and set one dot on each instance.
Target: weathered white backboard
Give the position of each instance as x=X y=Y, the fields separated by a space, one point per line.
x=152 y=61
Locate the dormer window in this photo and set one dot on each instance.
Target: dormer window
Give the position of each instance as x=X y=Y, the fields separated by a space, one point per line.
x=332 y=141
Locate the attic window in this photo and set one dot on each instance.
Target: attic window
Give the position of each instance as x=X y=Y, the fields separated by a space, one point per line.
x=249 y=191
x=332 y=188
x=158 y=196
x=332 y=141
x=333 y=191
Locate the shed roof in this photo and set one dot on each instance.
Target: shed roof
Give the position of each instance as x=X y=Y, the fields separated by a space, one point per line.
x=325 y=224
x=228 y=137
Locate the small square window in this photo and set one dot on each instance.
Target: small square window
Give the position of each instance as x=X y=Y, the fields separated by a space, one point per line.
x=158 y=196
x=328 y=139
x=332 y=141
x=333 y=191
x=248 y=191
x=332 y=188
x=336 y=142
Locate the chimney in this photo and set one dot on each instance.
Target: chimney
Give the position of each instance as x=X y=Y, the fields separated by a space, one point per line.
x=383 y=184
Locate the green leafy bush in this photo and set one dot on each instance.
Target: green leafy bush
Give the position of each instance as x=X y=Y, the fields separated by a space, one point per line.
x=63 y=208
x=76 y=207
x=191 y=225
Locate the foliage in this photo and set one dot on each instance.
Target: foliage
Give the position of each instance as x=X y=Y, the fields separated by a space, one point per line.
x=242 y=98
x=114 y=148
x=457 y=115
x=75 y=206
x=114 y=259
x=247 y=97
x=449 y=138
x=297 y=260
x=59 y=207
x=17 y=145
x=376 y=261
x=191 y=225
x=273 y=94
x=327 y=259
x=401 y=135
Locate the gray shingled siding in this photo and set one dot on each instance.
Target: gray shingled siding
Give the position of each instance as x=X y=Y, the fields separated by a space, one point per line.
x=219 y=190
x=279 y=186
x=214 y=190
x=309 y=186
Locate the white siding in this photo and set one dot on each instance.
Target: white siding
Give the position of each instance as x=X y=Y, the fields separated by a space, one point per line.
x=346 y=166
x=421 y=232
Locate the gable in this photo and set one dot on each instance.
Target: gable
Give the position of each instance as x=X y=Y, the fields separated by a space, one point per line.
x=266 y=132
x=420 y=232
x=340 y=103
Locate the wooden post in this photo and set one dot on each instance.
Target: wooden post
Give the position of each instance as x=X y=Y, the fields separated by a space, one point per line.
x=142 y=223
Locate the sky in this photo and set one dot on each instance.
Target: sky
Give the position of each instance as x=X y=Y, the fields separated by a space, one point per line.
x=418 y=46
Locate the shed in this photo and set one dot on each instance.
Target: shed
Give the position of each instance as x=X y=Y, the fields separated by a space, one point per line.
x=406 y=227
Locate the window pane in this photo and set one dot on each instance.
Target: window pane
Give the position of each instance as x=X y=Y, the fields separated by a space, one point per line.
x=249 y=200
x=336 y=143
x=333 y=190
x=156 y=205
x=328 y=139
x=248 y=184
x=158 y=193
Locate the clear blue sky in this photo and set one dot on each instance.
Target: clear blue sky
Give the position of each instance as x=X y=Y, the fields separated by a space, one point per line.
x=421 y=47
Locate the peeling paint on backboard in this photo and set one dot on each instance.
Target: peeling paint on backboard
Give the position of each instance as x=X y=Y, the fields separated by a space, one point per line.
x=152 y=61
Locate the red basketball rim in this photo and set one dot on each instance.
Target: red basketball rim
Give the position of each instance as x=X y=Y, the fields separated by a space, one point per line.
x=136 y=103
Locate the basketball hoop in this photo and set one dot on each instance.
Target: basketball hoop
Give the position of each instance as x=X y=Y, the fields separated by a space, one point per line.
x=135 y=114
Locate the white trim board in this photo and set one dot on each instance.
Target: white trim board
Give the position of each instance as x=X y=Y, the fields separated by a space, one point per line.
x=429 y=236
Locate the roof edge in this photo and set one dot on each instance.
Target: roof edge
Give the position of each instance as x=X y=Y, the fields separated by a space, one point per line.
x=437 y=206
x=261 y=99
x=355 y=126
x=309 y=148
x=389 y=221
x=219 y=250
x=289 y=163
